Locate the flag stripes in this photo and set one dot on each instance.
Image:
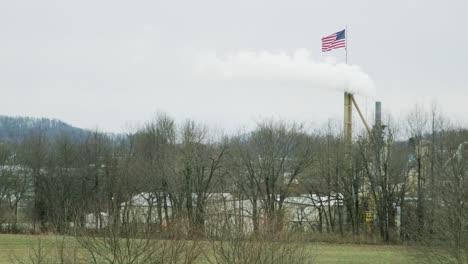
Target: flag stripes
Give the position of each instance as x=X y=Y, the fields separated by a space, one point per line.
x=334 y=41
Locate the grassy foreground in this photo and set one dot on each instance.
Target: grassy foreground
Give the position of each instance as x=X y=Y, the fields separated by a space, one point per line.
x=20 y=246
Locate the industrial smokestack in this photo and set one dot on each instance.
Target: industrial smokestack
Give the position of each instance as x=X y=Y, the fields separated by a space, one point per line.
x=378 y=115
x=348 y=118
x=378 y=121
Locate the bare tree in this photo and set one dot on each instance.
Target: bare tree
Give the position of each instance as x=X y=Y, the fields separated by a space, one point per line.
x=15 y=182
x=200 y=167
x=385 y=165
x=322 y=180
x=271 y=159
x=34 y=152
x=155 y=167
x=418 y=122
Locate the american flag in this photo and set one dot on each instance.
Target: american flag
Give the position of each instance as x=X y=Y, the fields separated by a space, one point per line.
x=334 y=41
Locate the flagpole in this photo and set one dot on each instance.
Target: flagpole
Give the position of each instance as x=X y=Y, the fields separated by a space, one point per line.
x=347 y=101
x=346 y=43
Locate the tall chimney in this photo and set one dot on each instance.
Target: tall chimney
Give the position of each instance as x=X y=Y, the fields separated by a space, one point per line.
x=378 y=114
x=378 y=120
x=348 y=125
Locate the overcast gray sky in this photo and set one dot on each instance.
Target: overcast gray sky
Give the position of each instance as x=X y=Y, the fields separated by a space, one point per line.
x=108 y=63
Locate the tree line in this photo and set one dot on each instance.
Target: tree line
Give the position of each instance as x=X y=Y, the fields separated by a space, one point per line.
x=405 y=182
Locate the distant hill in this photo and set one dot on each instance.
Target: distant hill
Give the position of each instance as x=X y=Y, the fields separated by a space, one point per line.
x=17 y=128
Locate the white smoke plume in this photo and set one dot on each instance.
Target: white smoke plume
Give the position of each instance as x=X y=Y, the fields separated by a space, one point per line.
x=268 y=66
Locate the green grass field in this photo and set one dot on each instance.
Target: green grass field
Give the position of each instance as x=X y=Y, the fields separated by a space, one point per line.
x=20 y=246
x=333 y=253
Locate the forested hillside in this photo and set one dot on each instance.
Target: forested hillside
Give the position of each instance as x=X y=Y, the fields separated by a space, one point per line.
x=13 y=129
